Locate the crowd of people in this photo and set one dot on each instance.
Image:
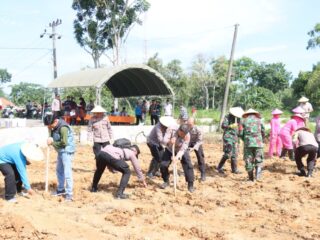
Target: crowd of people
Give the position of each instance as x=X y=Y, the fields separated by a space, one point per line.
x=169 y=142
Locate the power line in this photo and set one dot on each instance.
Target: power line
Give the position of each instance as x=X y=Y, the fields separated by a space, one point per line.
x=23 y=48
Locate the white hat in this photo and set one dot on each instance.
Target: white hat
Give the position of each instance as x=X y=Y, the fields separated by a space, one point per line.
x=32 y=152
x=298 y=110
x=167 y=121
x=236 y=111
x=98 y=109
x=251 y=111
x=303 y=99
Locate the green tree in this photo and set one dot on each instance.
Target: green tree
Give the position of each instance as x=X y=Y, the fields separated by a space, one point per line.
x=104 y=24
x=271 y=76
x=313 y=85
x=5 y=76
x=299 y=84
x=219 y=70
x=314 y=41
x=22 y=92
x=258 y=98
x=242 y=72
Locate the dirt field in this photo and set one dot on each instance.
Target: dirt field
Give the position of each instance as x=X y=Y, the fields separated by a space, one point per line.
x=282 y=206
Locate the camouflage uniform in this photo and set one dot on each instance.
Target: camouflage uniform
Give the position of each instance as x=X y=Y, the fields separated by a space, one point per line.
x=252 y=133
x=230 y=143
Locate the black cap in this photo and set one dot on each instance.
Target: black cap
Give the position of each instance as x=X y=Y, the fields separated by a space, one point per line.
x=49 y=119
x=184 y=128
x=137 y=149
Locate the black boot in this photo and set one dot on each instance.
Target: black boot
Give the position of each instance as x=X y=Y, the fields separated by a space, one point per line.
x=258 y=173
x=190 y=187
x=234 y=167
x=121 y=195
x=291 y=154
x=152 y=167
x=221 y=163
x=283 y=153
x=203 y=176
x=302 y=173
x=250 y=175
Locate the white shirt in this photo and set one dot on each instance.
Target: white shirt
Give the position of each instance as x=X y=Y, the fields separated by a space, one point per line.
x=168 y=109
x=55 y=105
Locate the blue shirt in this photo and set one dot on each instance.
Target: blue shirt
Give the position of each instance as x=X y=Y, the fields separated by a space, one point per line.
x=12 y=154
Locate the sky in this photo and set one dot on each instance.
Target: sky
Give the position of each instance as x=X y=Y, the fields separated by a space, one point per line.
x=269 y=31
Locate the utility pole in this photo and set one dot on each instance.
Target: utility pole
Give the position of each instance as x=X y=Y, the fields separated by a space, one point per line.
x=53 y=35
x=226 y=91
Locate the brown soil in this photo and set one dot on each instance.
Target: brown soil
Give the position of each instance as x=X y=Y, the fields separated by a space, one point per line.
x=282 y=206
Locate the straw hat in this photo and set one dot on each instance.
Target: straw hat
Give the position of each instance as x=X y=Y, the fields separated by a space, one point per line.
x=303 y=99
x=276 y=112
x=251 y=111
x=32 y=152
x=236 y=111
x=167 y=121
x=303 y=129
x=98 y=109
x=298 y=110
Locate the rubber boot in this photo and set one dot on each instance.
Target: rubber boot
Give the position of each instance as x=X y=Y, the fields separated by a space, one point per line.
x=190 y=187
x=234 y=167
x=156 y=169
x=291 y=154
x=302 y=173
x=283 y=153
x=221 y=163
x=258 y=173
x=152 y=167
x=250 y=175
x=203 y=176
x=310 y=173
x=121 y=195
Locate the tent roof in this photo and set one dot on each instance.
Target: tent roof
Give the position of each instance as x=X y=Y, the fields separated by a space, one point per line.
x=123 y=80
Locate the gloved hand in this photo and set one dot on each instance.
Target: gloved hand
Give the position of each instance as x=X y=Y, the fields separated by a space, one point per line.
x=233 y=125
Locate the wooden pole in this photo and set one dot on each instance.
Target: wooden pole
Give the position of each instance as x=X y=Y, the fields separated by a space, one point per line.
x=47 y=169
x=226 y=91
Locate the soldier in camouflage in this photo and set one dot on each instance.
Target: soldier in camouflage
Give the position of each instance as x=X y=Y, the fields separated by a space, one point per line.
x=252 y=133
x=230 y=126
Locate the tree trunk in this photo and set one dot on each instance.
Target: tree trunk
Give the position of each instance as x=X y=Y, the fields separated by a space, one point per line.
x=207 y=97
x=213 y=93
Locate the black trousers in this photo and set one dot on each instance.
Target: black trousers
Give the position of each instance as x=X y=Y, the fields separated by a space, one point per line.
x=104 y=160
x=12 y=180
x=186 y=165
x=138 y=119
x=154 y=119
x=309 y=150
x=156 y=152
x=200 y=158
x=97 y=147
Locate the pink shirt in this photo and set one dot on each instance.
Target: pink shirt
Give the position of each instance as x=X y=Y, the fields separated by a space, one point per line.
x=275 y=126
x=126 y=154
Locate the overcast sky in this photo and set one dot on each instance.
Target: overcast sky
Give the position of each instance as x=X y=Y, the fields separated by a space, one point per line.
x=270 y=31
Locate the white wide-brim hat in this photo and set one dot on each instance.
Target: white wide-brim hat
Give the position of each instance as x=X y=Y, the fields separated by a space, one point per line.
x=32 y=152
x=276 y=112
x=251 y=111
x=167 y=121
x=303 y=99
x=98 y=109
x=236 y=111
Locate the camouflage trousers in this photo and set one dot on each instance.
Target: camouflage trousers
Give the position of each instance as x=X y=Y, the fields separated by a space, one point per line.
x=253 y=157
x=230 y=150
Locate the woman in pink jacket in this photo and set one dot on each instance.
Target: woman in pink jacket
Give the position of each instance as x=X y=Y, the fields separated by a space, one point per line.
x=275 y=141
x=287 y=131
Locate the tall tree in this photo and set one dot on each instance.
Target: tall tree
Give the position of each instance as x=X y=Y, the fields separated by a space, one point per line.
x=201 y=74
x=271 y=76
x=314 y=41
x=23 y=92
x=105 y=24
x=313 y=85
x=5 y=76
x=299 y=84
